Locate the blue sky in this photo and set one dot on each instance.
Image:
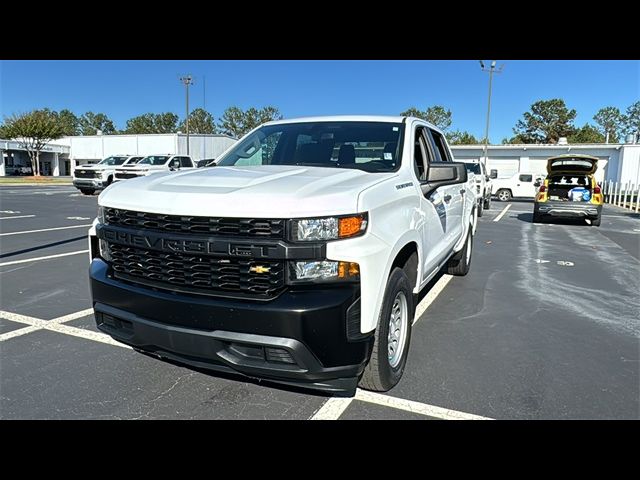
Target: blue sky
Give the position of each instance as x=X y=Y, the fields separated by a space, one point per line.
x=123 y=89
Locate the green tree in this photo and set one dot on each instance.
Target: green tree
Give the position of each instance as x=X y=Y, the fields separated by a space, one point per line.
x=586 y=134
x=609 y=119
x=547 y=121
x=200 y=121
x=236 y=122
x=631 y=119
x=90 y=123
x=69 y=122
x=152 y=123
x=436 y=115
x=456 y=137
x=32 y=131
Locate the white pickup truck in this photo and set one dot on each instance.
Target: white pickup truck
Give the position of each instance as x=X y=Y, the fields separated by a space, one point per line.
x=92 y=177
x=154 y=164
x=519 y=185
x=481 y=184
x=297 y=258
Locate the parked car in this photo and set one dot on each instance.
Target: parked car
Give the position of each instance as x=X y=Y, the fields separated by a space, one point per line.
x=570 y=190
x=519 y=185
x=482 y=184
x=154 y=164
x=91 y=177
x=296 y=259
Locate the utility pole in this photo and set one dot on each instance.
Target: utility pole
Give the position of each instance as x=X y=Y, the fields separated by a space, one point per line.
x=491 y=71
x=187 y=80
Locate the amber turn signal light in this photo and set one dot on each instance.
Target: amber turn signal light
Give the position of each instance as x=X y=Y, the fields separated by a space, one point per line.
x=350 y=226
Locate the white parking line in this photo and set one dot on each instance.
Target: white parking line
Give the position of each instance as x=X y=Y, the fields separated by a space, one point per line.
x=416 y=407
x=431 y=296
x=332 y=409
x=17 y=216
x=501 y=214
x=37 y=259
x=43 y=230
x=18 y=332
x=86 y=334
x=55 y=325
x=73 y=316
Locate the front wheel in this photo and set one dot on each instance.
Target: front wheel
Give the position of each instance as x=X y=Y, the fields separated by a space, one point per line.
x=480 y=208
x=596 y=221
x=392 y=336
x=503 y=195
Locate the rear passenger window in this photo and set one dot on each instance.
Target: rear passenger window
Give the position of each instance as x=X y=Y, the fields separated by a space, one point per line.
x=526 y=178
x=185 y=162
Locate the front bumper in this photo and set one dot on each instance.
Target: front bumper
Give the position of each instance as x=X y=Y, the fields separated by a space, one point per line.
x=299 y=338
x=568 y=209
x=88 y=183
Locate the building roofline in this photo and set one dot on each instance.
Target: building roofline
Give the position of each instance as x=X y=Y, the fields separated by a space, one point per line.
x=549 y=145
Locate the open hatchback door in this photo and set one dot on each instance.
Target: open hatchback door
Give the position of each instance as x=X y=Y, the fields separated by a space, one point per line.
x=572 y=164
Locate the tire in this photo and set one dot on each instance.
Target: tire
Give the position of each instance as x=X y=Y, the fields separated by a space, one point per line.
x=109 y=181
x=487 y=202
x=504 y=195
x=596 y=221
x=382 y=372
x=480 y=208
x=87 y=191
x=460 y=263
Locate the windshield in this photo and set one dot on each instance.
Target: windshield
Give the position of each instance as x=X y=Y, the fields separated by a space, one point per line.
x=113 y=161
x=473 y=168
x=154 y=160
x=368 y=146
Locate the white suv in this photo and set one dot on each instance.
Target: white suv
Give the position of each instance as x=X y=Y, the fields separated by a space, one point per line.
x=297 y=258
x=89 y=178
x=154 y=164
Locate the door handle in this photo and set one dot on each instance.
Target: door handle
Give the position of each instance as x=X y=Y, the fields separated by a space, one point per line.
x=447 y=198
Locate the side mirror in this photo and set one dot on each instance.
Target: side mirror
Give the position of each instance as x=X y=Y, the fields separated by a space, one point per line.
x=442 y=174
x=537 y=183
x=494 y=174
x=487 y=178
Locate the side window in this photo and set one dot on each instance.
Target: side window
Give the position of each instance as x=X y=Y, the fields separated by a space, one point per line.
x=441 y=149
x=420 y=155
x=174 y=162
x=186 y=162
x=526 y=178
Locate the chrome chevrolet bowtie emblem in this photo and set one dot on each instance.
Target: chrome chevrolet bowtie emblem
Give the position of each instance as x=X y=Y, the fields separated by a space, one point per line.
x=259 y=269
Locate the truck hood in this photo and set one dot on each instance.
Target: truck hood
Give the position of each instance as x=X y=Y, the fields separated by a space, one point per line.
x=141 y=167
x=92 y=167
x=567 y=164
x=269 y=191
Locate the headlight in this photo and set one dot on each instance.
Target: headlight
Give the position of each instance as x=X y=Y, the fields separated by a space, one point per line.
x=101 y=216
x=323 y=271
x=328 y=228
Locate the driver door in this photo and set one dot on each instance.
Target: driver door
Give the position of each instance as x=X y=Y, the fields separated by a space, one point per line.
x=433 y=209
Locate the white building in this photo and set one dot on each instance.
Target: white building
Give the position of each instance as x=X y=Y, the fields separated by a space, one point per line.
x=618 y=162
x=60 y=157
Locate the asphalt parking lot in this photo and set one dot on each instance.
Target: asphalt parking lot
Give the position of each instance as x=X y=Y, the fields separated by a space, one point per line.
x=545 y=326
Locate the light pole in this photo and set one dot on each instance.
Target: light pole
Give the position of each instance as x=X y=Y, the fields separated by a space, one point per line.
x=491 y=71
x=187 y=80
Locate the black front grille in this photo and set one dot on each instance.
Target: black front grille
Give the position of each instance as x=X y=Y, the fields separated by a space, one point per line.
x=125 y=176
x=235 y=227
x=80 y=173
x=198 y=274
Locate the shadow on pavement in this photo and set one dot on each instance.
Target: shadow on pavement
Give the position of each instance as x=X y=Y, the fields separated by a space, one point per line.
x=33 y=249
